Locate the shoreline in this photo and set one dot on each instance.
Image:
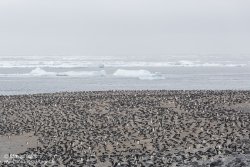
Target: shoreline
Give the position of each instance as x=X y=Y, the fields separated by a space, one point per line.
x=127 y=90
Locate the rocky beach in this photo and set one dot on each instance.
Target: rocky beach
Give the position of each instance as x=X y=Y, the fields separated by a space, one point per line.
x=126 y=128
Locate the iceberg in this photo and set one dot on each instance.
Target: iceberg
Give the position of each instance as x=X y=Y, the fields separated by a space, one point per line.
x=140 y=74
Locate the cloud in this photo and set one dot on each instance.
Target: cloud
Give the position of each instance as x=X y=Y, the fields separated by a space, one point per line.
x=114 y=27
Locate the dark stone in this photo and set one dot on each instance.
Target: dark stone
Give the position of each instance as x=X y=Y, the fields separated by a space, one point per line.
x=237 y=162
x=216 y=163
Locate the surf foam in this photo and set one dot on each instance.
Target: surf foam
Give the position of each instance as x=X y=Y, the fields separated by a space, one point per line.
x=76 y=62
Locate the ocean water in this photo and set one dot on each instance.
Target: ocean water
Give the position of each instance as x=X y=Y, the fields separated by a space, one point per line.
x=46 y=74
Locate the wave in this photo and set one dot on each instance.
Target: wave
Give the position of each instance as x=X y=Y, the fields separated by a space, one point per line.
x=140 y=74
x=39 y=72
x=82 y=73
x=186 y=63
x=74 y=63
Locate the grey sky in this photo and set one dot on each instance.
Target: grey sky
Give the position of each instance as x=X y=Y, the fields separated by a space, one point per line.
x=124 y=27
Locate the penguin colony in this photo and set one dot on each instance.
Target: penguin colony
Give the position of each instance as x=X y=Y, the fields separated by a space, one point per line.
x=129 y=128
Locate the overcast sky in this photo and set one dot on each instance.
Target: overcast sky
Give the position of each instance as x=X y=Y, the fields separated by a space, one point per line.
x=124 y=27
